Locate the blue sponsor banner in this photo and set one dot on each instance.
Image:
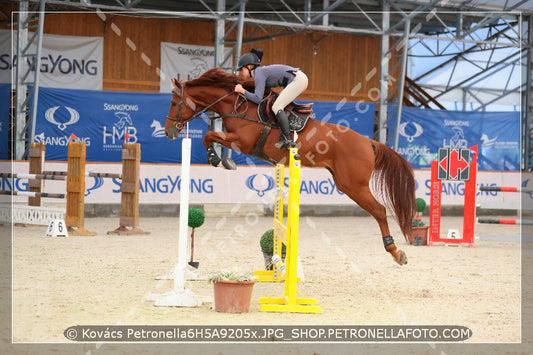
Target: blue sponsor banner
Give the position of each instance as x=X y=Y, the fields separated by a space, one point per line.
x=423 y=132
x=105 y=120
x=358 y=116
x=5 y=100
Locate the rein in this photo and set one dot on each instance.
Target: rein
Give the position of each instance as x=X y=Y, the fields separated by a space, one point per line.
x=180 y=125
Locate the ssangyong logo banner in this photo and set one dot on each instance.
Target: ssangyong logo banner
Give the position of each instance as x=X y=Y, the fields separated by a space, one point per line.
x=107 y=120
x=66 y=61
x=185 y=62
x=161 y=184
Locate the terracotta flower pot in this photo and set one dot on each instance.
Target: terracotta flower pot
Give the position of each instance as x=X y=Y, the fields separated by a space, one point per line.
x=420 y=236
x=233 y=296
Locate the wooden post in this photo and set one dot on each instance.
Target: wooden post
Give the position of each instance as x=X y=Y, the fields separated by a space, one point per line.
x=37 y=159
x=75 y=216
x=129 y=200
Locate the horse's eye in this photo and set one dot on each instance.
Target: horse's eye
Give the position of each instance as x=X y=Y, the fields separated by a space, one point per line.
x=174 y=104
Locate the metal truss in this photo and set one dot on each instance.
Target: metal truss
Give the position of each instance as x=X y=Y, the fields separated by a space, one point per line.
x=28 y=49
x=527 y=98
x=494 y=52
x=455 y=34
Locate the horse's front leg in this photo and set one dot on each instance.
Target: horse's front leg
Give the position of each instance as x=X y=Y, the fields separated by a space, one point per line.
x=225 y=139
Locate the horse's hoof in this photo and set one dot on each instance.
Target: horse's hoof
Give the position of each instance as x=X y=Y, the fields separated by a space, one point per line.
x=229 y=164
x=402 y=258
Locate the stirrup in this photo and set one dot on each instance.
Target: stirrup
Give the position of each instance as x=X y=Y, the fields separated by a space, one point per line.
x=285 y=144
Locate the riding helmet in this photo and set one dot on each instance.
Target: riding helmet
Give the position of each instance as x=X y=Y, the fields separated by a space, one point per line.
x=249 y=58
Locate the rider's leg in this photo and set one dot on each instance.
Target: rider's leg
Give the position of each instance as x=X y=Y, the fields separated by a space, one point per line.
x=288 y=94
x=286 y=142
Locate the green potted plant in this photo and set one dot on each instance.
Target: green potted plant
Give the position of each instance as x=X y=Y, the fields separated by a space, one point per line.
x=196 y=219
x=233 y=289
x=267 y=247
x=420 y=229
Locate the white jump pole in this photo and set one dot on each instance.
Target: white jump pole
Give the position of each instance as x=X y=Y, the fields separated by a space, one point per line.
x=179 y=273
x=181 y=296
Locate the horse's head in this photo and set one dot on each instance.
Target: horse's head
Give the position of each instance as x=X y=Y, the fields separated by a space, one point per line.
x=182 y=109
x=213 y=88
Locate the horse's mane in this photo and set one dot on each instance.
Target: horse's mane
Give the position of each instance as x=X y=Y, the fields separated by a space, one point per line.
x=218 y=78
x=215 y=77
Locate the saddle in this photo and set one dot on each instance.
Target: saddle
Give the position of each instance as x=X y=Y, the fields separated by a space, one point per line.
x=298 y=114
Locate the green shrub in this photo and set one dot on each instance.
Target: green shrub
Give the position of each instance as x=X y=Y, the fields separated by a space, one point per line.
x=267 y=242
x=196 y=217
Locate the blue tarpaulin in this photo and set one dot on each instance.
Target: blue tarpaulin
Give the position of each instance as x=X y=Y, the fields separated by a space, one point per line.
x=107 y=119
x=5 y=100
x=422 y=132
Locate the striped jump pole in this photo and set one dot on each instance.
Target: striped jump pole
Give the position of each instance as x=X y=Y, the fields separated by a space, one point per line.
x=104 y=175
x=75 y=179
x=32 y=194
x=505 y=189
x=33 y=176
x=504 y=221
x=89 y=174
x=75 y=186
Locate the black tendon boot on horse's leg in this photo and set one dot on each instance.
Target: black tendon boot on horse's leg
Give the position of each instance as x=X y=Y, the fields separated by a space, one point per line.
x=283 y=122
x=212 y=156
x=398 y=255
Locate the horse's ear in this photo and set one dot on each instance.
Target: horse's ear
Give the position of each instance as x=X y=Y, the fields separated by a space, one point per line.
x=176 y=85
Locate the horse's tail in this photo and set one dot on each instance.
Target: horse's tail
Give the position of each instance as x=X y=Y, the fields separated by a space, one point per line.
x=394 y=177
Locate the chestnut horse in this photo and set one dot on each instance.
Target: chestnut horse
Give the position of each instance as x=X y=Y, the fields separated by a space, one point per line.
x=355 y=162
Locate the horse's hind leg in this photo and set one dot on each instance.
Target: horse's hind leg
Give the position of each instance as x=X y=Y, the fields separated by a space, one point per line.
x=363 y=197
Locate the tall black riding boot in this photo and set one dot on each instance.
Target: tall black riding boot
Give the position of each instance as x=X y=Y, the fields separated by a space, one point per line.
x=286 y=142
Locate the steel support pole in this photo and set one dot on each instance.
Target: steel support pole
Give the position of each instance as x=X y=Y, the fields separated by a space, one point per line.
x=383 y=74
x=401 y=81
x=37 y=61
x=20 y=89
x=527 y=104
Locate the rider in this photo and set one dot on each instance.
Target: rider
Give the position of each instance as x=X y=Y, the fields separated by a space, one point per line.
x=293 y=81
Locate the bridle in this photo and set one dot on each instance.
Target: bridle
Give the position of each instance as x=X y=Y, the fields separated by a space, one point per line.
x=177 y=120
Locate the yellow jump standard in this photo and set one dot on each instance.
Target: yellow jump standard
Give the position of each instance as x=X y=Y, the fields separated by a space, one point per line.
x=288 y=234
